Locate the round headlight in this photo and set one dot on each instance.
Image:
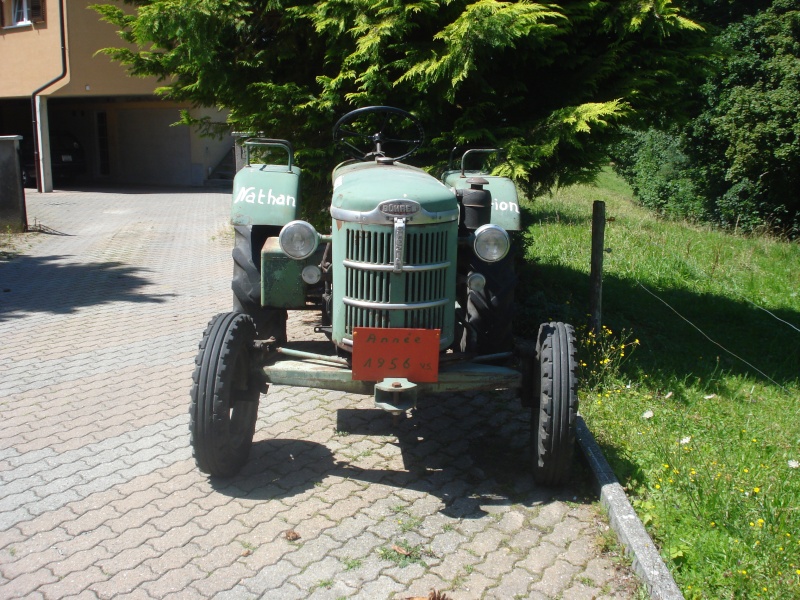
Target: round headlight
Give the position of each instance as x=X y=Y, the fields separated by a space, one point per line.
x=298 y=239
x=311 y=274
x=491 y=243
x=476 y=282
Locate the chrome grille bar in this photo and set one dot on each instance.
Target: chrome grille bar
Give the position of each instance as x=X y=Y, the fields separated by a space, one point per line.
x=406 y=268
x=391 y=284
x=387 y=306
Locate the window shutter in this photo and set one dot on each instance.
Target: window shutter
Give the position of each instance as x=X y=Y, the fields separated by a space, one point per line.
x=36 y=11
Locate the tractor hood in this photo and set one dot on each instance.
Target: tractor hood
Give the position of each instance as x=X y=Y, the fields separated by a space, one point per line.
x=360 y=187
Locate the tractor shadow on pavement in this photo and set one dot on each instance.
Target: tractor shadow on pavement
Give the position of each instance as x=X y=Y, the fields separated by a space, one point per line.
x=468 y=450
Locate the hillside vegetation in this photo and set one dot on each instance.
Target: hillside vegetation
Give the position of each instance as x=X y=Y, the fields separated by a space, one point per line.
x=692 y=387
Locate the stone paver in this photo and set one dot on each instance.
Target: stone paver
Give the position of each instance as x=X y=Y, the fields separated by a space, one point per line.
x=100 y=318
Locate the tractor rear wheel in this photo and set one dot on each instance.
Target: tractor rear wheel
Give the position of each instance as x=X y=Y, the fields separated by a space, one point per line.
x=246 y=282
x=554 y=406
x=225 y=393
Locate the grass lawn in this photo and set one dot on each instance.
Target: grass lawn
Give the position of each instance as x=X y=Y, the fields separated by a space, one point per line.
x=693 y=386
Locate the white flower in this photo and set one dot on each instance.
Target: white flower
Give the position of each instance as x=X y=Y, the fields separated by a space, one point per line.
x=793 y=464
x=686 y=440
x=648 y=414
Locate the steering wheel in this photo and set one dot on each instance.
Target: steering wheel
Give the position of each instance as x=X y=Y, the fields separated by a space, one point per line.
x=391 y=130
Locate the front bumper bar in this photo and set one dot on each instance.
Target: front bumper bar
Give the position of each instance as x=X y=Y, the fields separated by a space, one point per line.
x=457 y=377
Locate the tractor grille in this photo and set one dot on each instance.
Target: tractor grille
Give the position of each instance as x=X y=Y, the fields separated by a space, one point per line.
x=416 y=297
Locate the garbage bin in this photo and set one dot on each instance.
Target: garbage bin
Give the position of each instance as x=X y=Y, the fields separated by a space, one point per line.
x=13 y=215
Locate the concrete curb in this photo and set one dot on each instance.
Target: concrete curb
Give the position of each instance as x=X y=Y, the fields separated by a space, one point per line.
x=630 y=531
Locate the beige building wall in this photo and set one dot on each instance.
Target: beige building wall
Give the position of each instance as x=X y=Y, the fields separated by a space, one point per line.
x=125 y=131
x=30 y=55
x=92 y=74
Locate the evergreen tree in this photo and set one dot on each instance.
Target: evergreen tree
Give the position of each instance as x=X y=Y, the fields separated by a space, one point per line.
x=549 y=83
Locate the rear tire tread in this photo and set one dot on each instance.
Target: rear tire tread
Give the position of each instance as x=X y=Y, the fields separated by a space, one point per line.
x=553 y=420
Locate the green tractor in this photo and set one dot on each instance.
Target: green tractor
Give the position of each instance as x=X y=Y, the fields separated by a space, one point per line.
x=413 y=285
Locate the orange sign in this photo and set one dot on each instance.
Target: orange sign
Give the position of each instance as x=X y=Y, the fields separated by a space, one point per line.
x=379 y=353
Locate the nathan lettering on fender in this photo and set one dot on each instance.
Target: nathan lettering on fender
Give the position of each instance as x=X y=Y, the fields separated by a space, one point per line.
x=249 y=195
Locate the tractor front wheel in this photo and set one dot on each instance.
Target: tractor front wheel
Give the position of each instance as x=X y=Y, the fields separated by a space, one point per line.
x=225 y=393
x=554 y=406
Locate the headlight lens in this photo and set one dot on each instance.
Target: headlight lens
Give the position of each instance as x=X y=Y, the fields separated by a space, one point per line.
x=311 y=274
x=298 y=239
x=476 y=282
x=491 y=243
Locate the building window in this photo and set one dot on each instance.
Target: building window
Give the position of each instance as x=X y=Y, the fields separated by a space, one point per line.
x=24 y=12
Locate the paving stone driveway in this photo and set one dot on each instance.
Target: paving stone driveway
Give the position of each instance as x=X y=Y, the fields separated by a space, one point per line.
x=100 y=318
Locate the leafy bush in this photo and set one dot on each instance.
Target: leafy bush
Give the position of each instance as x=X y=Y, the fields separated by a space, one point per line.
x=747 y=142
x=655 y=166
x=737 y=163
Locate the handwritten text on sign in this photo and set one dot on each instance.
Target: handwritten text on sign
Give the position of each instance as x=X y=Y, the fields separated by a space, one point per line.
x=380 y=353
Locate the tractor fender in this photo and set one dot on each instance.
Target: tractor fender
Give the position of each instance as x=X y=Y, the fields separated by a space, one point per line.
x=266 y=195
